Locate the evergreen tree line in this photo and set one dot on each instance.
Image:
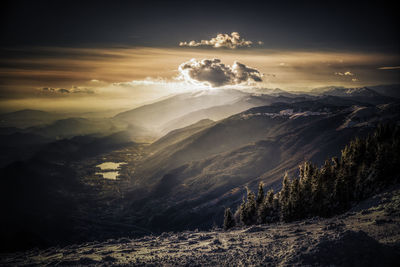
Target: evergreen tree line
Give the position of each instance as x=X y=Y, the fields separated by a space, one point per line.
x=366 y=166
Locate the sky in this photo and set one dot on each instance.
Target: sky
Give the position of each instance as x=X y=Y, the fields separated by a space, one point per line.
x=93 y=55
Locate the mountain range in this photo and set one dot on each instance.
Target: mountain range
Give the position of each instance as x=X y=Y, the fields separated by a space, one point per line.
x=195 y=153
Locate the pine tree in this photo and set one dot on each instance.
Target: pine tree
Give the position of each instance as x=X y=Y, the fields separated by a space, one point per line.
x=242 y=212
x=270 y=198
x=260 y=193
x=295 y=211
x=285 y=191
x=250 y=208
x=276 y=209
x=262 y=212
x=284 y=197
x=341 y=194
x=229 y=222
x=317 y=192
x=323 y=189
x=305 y=182
x=265 y=208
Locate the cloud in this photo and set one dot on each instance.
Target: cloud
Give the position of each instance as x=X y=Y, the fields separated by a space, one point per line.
x=389 y=68
x=347 y=73
x=222 y=40
x=62 y=91
x=49 y=90
x=81 y=90
x=213 y=72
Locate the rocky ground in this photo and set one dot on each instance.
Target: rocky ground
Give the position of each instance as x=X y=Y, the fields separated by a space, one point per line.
x=367 y=235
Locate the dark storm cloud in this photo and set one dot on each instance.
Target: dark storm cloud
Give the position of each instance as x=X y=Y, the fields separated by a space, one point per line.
x=215 y=73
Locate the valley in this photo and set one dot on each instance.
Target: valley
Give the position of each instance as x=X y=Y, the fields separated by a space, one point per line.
x=122 y=177
x=199 y=133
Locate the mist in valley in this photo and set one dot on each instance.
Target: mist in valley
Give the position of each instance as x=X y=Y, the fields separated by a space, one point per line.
x=168 y=134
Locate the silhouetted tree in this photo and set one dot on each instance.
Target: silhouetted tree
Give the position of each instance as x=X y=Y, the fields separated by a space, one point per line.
x=260 y=193
x=262 y=212
x=284 y=197
x=250 y=209
x=306 y=171
x=267 y=210
x=229 y=222
x=295 y=206
x=240 y=214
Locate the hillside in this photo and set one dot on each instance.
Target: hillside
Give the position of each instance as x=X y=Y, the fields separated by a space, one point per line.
x=392 y=90
x=70 y=127
x=363 y=94
x=28 y=118
x=271 y=123
x=223 y=111
x=154 y=115
x=367 y=235
x=208 y=170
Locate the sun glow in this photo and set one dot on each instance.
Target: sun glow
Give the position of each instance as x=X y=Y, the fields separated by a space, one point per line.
x=126 y=77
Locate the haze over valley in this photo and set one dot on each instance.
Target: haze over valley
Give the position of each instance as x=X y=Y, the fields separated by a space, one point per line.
x=254 y=141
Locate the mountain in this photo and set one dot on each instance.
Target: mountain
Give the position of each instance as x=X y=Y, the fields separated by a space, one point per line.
x=223 y=111
x=28 y=118
x=392 y=90
x=154 y=115
x=185 y=178
x=178 y=135
x=266 y=123
x=321 y=90
x=199 y=174
x=81 y=147
x=67 y=128
x=363 y=94
x=184 y=109
x=236 y=131
x=20 y=146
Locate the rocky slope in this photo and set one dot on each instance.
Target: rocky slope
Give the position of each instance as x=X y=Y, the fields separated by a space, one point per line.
x=367 y=235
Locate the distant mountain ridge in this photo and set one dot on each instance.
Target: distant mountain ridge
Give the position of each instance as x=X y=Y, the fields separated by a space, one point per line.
x=362 y=94
x=392 y=90
x=28 y=118
x=154 y=115
x=369 y=94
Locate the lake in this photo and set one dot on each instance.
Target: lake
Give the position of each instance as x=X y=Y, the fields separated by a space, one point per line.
x=110 y=170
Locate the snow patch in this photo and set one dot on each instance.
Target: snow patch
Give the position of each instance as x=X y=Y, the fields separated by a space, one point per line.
x=286 y=113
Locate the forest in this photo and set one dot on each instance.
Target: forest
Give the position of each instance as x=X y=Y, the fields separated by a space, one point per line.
x=366 y=167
